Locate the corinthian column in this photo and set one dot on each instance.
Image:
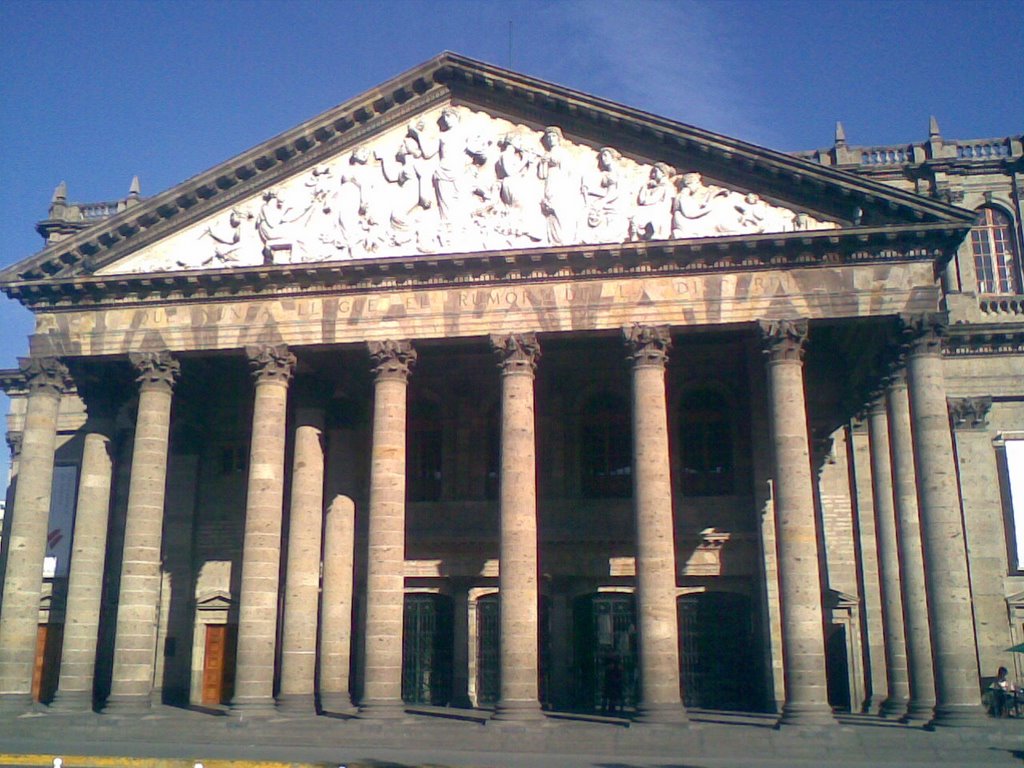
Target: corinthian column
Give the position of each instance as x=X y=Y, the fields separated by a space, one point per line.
x=137 y=606
x=385 y=578
x=302 y=580
x=19 y=619
x=272 y=368
x=957 y=696
x=336 y=606
x=888 y=564
x=657 y=615
x=803 y=643
x=517 y=575
x=85 y=579
x=917 y=628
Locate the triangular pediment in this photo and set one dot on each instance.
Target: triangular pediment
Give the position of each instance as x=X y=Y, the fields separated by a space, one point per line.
x=458 y=156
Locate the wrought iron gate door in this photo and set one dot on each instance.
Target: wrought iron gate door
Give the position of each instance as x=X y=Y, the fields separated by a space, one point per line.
x=427 y=650
x=488 y=664
x=605 y=634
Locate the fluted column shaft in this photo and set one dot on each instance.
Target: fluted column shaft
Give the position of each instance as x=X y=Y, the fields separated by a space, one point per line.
x=957 y=694
x=29 y=518
x=657 y=614
x=85 y=579
x=336 y=606
x=138 y=601
x=893 y=633
x=916 y=625
x=385 y=576
x=272 y=368
x=517 y=579
x=302 y=580
x=803 y=644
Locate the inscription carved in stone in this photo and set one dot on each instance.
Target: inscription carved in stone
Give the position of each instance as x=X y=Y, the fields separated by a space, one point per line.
x=457 y=180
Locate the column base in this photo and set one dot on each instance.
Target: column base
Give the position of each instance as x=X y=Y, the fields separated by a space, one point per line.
x=893 y=707
x=382 y=709
x=960 y=716
x=918 y=712
x=72 y=701
x=128 y=704
x=813 y=715
x=16 y=703
x=518 y=711
x=337 y=703
x=661 y=714
x=296 y=704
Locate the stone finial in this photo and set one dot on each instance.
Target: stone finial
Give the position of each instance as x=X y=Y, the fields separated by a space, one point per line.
x=60 y=194
x=922 y=333
x=969 y=412
x=269 y=362
x=647 y=344
x=45 y=374
x=134 y=189
x=783 y=339
x=840 y=135
x=517 y=352
x=933 y=128
x=392 y=359
x=155 y=370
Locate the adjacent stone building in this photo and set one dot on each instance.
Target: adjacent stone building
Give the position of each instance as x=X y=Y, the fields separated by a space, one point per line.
x=477 y=391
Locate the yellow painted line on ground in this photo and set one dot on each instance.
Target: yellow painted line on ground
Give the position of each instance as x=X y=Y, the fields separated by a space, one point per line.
x=86 y=761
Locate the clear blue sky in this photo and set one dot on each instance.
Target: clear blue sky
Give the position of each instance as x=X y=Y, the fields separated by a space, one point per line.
x=96 y=92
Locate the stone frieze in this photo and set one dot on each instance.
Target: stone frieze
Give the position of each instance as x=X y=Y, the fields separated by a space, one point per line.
x=455 y=181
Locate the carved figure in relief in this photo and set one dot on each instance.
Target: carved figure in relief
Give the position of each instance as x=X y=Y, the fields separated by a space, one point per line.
x=274 y=227
x=653 y=217
x=562 y=200
x=518 y=193
x=229 y=243
x=606 y=221
x=693 y=207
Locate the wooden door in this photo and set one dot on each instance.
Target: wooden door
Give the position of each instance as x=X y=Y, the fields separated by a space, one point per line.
x=219 y=664
x=45 y=673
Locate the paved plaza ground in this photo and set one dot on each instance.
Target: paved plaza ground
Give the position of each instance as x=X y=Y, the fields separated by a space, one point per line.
x=175 y=738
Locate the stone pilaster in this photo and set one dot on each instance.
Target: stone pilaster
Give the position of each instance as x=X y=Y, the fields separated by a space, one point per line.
x=657 y=615
x=22 y=585
x=302 y=578
x=385 y=579
x=983 y=521
x=893 y=634
x=336 y=606
x=272 y=368
x=957 y=693
x=916 y=624
x=803 y=643
x=85 y=579
x=138 y=601
x=517 y=575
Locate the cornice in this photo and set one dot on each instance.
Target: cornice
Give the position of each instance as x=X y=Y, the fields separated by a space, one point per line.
x=973 y=339
x=452 y=75
x=832 y=248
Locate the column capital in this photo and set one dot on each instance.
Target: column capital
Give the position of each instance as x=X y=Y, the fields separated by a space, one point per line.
x=271 y=363
x=783 y=339
x=648 y=344
x=923 y=332
x=155 y=370
x=517 y=352
x=392 y=359
x=969 y=412
x=48 y=375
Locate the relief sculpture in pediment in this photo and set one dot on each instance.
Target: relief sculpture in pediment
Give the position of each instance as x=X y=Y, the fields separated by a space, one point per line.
x=456 y=181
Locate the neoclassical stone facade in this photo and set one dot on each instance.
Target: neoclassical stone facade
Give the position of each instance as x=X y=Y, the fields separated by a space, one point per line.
x=483 y=393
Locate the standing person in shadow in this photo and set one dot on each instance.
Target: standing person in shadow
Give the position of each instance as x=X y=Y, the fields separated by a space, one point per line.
x=1003 y=694
x=611 y=693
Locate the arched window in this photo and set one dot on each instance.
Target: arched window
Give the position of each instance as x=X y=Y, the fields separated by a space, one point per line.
x=606 y=447
x=995 y=256
x=706 y=440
